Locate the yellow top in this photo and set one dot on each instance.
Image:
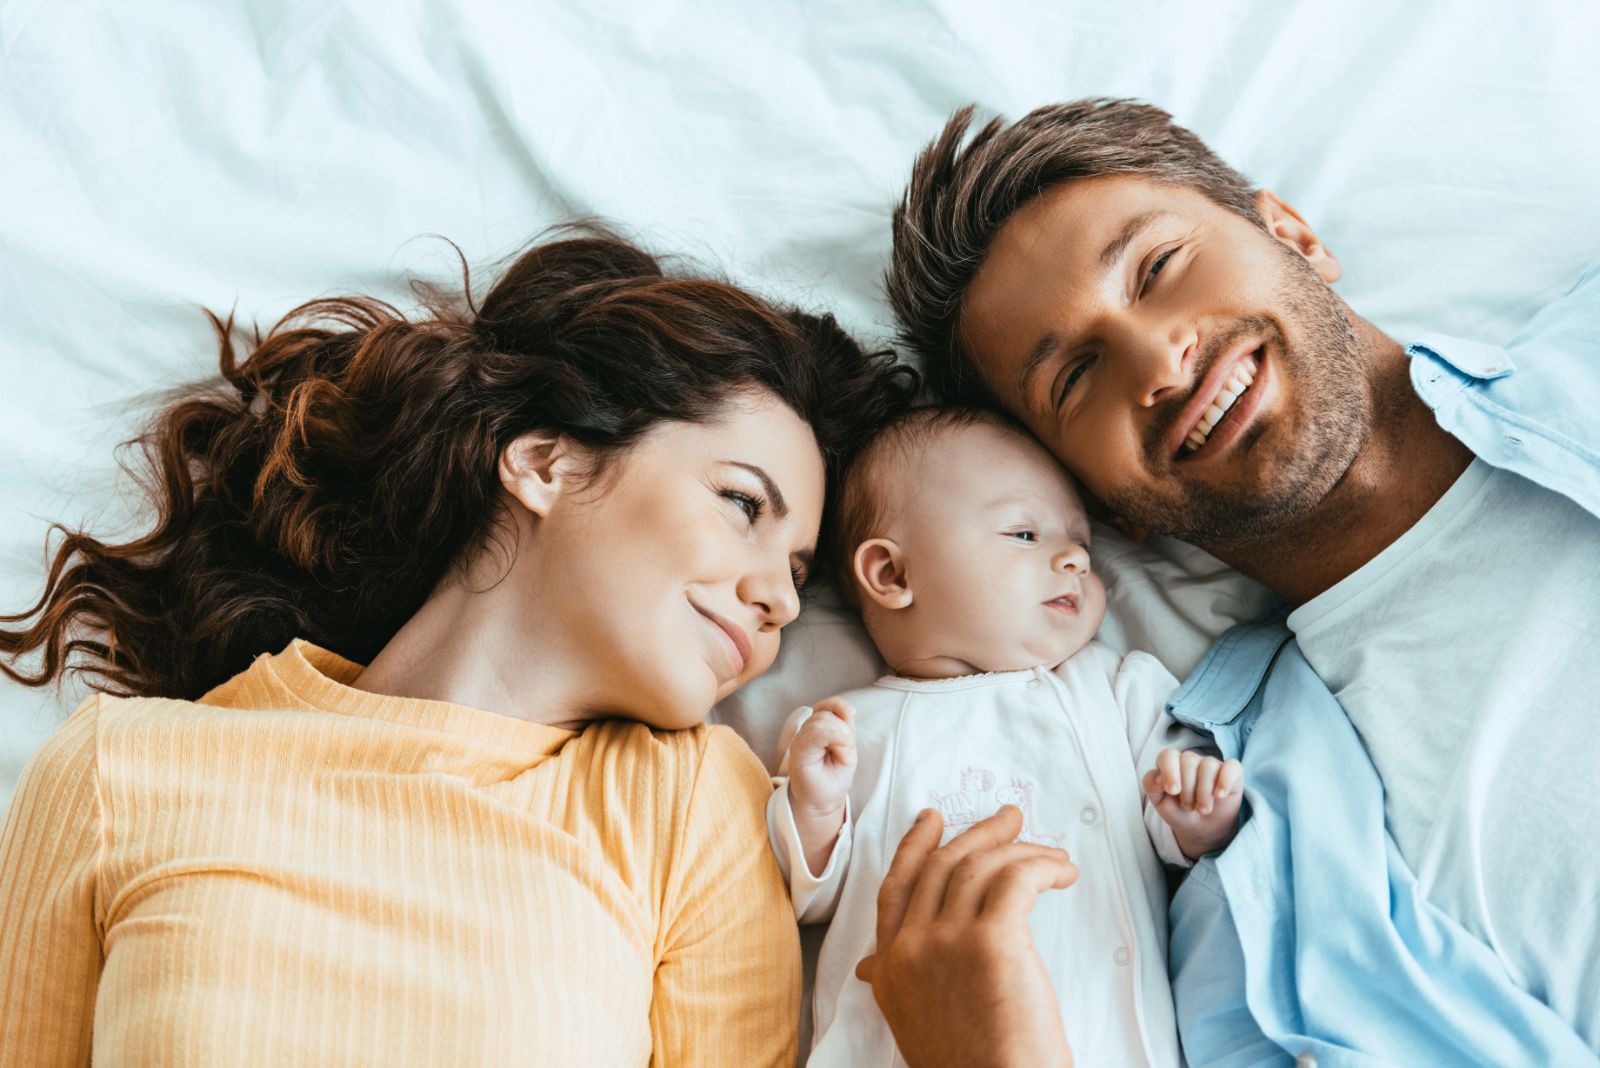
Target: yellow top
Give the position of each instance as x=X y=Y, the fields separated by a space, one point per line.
x=295 y=872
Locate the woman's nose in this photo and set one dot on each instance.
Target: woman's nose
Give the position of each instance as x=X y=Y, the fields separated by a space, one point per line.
x=771 y=592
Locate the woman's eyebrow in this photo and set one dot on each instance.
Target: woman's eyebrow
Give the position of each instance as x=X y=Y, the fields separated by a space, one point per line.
x=780 y=507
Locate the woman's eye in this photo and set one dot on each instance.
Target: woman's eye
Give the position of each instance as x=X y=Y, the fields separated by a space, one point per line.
x=750 y=505
x=1155 y=268
x=799 y=575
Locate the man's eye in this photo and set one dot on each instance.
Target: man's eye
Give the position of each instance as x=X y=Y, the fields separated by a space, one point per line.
x=1071 y=380
x=1155 y=268
x=751 y=506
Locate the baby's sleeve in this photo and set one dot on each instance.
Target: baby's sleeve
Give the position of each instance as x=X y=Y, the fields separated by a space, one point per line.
x=814 y=896
x=1143 y=687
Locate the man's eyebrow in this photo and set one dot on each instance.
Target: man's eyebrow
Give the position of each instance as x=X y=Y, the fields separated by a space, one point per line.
x=1043 y=349
x=1048 y=345
x=1130 y=230
x=780 y=507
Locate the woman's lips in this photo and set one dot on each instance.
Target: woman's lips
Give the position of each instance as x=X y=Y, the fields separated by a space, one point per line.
x=735 y=642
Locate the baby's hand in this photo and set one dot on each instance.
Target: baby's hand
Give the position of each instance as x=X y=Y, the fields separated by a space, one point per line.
x=822 y=759
x=1198 y=796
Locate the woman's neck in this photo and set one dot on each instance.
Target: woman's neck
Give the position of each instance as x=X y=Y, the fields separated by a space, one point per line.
x=471 y=645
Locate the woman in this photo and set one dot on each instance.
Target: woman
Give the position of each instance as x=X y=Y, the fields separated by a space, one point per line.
x=555 y=529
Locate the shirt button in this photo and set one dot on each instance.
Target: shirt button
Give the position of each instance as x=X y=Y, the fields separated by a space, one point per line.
x=1087 y=815
x=1305 y=1060
x=1121 y=955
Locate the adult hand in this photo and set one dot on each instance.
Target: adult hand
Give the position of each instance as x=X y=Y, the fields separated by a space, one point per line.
x=956 y=972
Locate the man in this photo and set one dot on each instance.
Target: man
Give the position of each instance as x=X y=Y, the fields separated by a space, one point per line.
x=1429 y=515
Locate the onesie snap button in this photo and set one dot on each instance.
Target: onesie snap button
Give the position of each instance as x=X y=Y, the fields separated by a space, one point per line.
x=1087 y=815
x=1121 y=955
x=1033 y=684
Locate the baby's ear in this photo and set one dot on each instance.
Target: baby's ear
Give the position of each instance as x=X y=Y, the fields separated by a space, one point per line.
x=880 y=573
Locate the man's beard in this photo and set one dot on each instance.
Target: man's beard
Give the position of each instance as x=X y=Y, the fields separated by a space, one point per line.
x=1330 y=385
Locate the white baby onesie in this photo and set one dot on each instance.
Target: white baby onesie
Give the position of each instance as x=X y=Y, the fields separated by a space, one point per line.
x=1069 y=748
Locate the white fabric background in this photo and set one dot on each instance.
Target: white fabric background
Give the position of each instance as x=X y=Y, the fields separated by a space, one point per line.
x=155 y=157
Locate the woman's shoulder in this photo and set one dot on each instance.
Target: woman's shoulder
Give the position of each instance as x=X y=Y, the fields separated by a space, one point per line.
x=687 y=754
x=73 y=756
x=682 y=782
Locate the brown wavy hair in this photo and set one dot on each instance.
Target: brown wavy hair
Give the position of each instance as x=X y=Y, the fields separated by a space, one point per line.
x=336 y=473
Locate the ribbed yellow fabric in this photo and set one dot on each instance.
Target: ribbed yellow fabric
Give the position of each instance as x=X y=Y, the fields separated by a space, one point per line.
x=295 y=872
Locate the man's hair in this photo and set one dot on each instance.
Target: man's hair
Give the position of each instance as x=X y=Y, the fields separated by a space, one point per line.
x=959 y=198
x=860 y=511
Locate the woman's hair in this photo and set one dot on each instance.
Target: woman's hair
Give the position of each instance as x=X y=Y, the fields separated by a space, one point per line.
x=339 y=470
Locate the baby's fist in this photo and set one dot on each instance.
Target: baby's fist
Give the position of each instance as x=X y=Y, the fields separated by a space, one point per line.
x=1198 y=796
x=822 y=758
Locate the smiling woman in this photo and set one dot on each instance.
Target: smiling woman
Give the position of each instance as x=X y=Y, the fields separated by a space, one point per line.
x=555 y=528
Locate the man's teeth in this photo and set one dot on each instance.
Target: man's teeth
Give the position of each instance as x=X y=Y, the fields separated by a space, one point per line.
x=1232 y=390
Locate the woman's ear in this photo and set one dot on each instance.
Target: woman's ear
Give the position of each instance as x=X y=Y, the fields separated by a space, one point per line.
x=1285 y=224
x=536 y=468
x=880 y=573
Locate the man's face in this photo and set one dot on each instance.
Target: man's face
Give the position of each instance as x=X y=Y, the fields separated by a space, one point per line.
x=1117 y=318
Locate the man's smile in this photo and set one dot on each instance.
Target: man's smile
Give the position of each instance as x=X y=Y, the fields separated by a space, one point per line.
x=1223 y=406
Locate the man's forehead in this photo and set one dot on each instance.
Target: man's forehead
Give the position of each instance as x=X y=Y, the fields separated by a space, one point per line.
x=1056 y=244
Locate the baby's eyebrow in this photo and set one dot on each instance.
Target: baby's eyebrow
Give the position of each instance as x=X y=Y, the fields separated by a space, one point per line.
x=1007 y=498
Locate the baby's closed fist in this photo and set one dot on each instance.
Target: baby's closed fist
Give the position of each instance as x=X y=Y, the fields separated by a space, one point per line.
x=1198 y=796
x=822 y=759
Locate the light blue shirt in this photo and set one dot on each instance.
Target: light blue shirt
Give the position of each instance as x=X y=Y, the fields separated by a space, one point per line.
x=1309 y=934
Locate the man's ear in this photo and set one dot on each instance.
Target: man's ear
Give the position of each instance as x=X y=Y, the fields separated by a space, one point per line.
x=536 y=468
x=1285 y=224
x=880 y=573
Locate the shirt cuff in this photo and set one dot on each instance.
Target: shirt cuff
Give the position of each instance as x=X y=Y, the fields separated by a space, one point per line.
x=813 y=893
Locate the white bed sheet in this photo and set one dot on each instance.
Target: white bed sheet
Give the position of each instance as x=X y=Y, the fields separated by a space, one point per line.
x=158 y=157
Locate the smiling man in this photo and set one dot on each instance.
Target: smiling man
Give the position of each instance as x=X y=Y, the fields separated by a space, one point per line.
x=1428 y=512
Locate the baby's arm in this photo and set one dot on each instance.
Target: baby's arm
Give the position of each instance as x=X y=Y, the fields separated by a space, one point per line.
x=1198 y=796
x=808 y=818
x=1170 y=757
x=822 y=764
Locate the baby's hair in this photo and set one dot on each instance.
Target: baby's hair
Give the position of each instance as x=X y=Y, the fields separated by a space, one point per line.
x=859 y=511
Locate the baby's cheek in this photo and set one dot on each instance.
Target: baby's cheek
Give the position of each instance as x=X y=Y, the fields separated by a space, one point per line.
x=1094 y=600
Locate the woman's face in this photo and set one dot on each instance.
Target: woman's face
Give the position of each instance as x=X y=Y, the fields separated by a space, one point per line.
x=672 y=574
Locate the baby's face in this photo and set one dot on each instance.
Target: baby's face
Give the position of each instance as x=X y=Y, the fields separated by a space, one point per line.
x=996 y=545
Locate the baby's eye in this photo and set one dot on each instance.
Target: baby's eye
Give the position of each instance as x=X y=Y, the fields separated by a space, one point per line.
x=1024 y=535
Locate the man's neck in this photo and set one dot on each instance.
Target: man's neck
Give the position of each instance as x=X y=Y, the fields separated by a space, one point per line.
x=1407 y=464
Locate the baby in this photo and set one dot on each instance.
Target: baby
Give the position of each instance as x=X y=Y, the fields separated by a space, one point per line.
x=966 y=549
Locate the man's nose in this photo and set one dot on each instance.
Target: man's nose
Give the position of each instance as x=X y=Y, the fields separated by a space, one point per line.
x=1159 y=357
